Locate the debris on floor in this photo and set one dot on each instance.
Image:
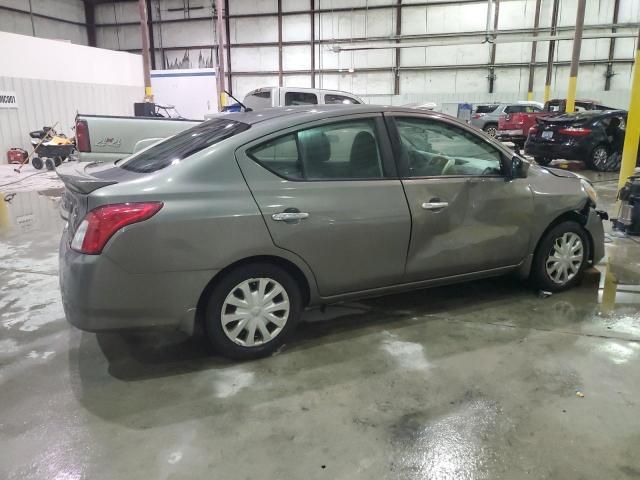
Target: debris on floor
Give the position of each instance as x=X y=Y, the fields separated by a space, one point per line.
x=544 y=294
x=579 y=394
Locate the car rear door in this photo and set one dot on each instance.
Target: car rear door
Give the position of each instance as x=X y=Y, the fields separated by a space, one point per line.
x=466 y=215
x=329 y=192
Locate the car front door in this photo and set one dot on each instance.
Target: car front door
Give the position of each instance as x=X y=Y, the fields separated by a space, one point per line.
x=466 y=215
x=329 y=192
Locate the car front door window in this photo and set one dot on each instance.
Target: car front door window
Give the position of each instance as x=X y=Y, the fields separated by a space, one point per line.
x=434 y=148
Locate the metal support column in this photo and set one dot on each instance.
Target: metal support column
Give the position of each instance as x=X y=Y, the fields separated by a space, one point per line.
x=612 y=47
x=313 y=44
x=279 y=43
x=152 y=45
x=575 y=57
x=220 y=53
x=227 y=31
x=552 y=49
x=142 y=10
x=632 y=134
x=90 y=19
x=534 y=46
x=492 y=59
x=396 y=73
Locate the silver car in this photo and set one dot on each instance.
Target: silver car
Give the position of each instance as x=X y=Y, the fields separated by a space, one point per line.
x=243 y=221
x=486 y=116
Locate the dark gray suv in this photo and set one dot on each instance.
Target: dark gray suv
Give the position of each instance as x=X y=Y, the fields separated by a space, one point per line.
x=243 y=221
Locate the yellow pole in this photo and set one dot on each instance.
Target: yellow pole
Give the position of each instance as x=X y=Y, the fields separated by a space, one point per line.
x=632 y=135
x=547 y=93
x=575 y=57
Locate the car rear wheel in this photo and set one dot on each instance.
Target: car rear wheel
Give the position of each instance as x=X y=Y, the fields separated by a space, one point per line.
x=252 y=311
x=603 y=162
x=542 y=160
x=561 y=257
x=491 y=129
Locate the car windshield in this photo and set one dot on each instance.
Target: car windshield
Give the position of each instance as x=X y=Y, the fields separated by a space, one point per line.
x=182 y=145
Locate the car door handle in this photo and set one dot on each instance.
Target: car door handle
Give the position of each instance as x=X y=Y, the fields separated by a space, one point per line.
x=289 y=216
x=435 y=205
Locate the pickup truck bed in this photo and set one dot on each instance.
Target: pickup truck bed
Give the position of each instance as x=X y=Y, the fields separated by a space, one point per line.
x=104 y=138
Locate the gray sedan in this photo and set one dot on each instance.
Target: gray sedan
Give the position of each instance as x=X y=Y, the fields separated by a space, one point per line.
x=243 y=221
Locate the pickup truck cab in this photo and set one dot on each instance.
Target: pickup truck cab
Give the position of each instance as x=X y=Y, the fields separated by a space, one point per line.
x=269 y=97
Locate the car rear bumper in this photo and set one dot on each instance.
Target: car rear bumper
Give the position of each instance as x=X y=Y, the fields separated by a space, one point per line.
x=555 y=150
x=98 y=295
x=515 y=135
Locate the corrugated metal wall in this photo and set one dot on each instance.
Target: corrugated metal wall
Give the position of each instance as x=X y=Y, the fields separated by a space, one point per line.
x=44 y=102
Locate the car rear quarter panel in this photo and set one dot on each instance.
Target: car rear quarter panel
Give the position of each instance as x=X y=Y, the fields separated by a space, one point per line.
x=209 y=219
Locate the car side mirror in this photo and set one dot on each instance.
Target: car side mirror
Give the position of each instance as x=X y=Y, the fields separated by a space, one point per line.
x=518 y=167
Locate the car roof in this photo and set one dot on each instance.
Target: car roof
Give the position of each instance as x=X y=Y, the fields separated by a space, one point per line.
x=297 y=114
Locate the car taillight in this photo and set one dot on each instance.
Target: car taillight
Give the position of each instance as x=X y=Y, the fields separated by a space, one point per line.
x=99 y=225
x=476 y=115
x=82 y=136
x=575 y=131
x=533 y=130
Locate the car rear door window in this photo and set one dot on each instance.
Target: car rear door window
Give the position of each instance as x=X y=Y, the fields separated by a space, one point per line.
x=177 y=148
x=331 y=99
x=337 y=151
x=300 y=98
x=485 y=108
x=514 y=109
x=434 y=148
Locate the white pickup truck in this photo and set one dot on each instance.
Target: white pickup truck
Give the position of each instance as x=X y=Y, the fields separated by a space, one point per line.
x=103 y=138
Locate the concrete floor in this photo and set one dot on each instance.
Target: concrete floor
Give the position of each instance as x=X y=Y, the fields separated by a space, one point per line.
x=475 y=381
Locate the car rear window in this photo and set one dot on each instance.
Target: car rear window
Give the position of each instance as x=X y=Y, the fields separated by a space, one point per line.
x=486 y=108
x=183 y=145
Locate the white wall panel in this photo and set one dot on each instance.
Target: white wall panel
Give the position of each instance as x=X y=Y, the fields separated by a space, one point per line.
x=117 y=12
x=513 y=52
x=296 y=28
x=200 y=32
x=456 y=18
x=68 y=9
x=60 y=31
x=174 y=9
x=516 y=14
x=15 y=22
x=239 y=7
x=253 y=30
x=260 y=59
x=296 y=57
x=303 y=81
x=244 y=84
x=629 y=11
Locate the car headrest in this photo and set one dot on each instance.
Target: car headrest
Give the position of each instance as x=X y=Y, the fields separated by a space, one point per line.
x=315 y=146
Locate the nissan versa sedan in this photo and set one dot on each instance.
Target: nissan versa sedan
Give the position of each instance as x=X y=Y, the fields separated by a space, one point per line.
x=243 y=221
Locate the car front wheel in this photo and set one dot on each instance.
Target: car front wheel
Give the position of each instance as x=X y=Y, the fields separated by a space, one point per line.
x=491 y=129
x=602 y=161
x=561 y=257
x=252 y=311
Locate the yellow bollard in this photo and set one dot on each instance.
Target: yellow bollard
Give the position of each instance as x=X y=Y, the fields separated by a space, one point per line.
x=632 y=135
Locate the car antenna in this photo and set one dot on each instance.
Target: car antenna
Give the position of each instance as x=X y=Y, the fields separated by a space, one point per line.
x=246 y=109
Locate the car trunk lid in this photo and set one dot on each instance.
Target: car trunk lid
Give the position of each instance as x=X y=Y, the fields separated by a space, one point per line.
x=559 y=129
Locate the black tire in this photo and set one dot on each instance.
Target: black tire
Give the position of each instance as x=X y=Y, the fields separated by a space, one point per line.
x=37 y=163
x=540 y=277
x=542 y=160
x=213 y=326
x=601 y=161
x=49 y=164
x=57 y=161
x=491 y=129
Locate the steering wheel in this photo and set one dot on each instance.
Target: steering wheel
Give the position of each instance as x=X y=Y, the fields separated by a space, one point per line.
x=449 y=163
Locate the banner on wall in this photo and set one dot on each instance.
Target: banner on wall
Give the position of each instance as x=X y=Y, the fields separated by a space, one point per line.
x=8 y=100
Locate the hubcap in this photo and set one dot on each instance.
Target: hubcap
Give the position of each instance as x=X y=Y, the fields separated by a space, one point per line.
x=255 y=312
x=600 y=156
x=565 y=258
x=491 y=131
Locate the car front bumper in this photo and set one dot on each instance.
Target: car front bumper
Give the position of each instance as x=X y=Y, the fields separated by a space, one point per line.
x=99 y=295
x=596 y=230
